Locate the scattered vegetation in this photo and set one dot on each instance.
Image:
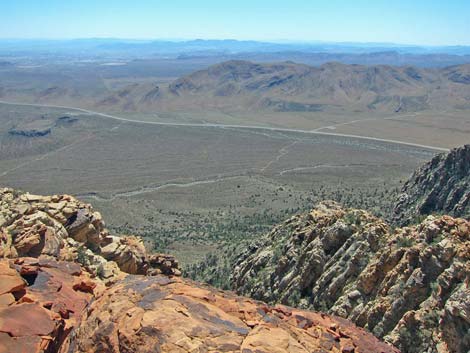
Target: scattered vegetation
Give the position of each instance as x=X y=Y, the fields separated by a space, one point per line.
x=405 y=242
x=207 y=243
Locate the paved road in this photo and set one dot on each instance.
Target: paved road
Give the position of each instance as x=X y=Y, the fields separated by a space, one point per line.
x=223 y=126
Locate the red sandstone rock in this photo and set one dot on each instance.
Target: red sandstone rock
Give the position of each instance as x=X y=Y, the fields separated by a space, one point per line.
x=38 y=317
x=26 y=320
x=10 y=281
x=161 y=314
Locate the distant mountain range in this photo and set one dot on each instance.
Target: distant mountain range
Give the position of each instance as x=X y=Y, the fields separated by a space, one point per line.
x=287 y=86
x=306 y=52
x=236 y=46
x=284 y=87
x=227 y=45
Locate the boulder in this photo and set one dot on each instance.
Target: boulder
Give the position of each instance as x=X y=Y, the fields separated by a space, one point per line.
x=163 y=264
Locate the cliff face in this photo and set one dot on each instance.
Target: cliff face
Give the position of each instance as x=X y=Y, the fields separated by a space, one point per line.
x=440 y=186
x=409 y=286
x=67 y=285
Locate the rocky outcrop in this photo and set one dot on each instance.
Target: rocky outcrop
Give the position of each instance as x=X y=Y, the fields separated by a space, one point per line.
x=409 y=286
x=158 y=314
x=30 y=133
x=63 y=228
x=41 y=126
x=440 y=186
x=163 y=264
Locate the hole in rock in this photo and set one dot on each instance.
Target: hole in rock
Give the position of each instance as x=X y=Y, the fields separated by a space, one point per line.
x=30 y=278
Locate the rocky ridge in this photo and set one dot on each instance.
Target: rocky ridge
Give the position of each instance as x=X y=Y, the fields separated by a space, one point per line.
x=439 y=186
x=409 y=286
x=67 y=285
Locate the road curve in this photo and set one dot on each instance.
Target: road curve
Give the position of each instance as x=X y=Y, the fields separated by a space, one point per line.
x=223 y=126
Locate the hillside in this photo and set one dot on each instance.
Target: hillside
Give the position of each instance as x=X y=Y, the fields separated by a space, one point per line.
x=440 y=186
x=67 y=285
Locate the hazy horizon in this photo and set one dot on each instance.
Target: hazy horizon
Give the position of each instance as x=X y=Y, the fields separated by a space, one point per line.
x=221 y=39
x=419 y=23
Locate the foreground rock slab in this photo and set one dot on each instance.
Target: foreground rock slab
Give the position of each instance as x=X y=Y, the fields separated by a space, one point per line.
x=56 y=307
x=162 y=314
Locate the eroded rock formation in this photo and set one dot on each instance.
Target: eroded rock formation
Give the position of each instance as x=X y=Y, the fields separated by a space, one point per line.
x=409 y=286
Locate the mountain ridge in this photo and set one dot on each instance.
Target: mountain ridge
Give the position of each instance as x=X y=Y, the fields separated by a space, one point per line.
x=403 y=284
x=287 y=86
x=440 y=186
x=408 y=286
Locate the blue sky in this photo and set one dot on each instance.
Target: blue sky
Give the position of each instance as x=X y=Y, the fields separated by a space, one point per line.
x=428 y=22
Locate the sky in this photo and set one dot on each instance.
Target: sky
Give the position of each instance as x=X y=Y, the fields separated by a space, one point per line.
x=422 y=22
